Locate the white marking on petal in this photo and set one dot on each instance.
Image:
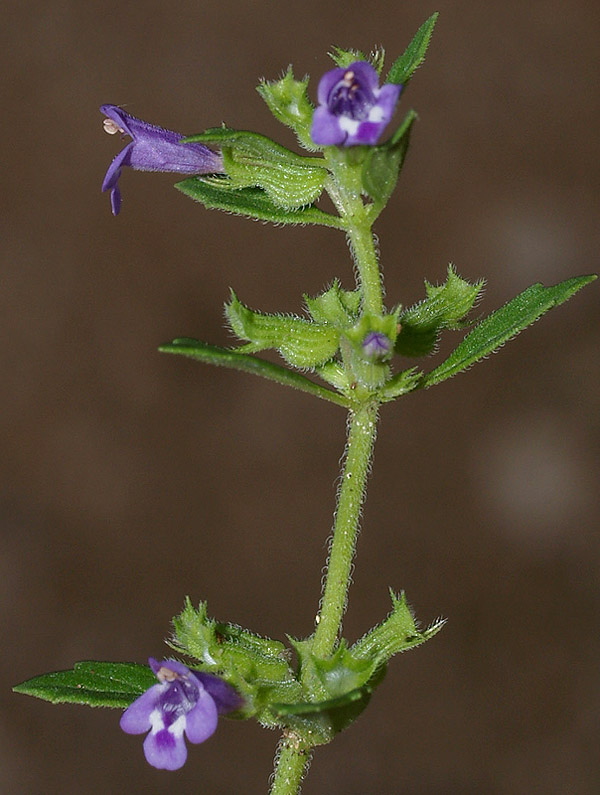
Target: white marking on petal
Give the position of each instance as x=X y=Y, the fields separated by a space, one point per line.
x=111 y=127
x=349 y=126
x=157 y=721
x=376 y=114
x=177 y=727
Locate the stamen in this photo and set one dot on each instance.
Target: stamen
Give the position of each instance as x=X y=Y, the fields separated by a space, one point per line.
x=165 y=674
x=349 y=77
x=111 y=127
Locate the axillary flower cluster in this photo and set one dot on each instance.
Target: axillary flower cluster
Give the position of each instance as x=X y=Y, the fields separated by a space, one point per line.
x=352 y=110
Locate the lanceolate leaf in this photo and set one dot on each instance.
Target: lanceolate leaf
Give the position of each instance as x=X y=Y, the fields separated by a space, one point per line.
x=222 y=357
x=414 y=55
x=503 y=325
x=216 y=194
x=96 y=684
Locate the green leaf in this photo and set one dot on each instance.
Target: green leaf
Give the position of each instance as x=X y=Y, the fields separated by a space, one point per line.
x=288 y=101
x=400 y=384
x=396 y=634
x=96 y=684
x=300 y=342
x=222 y=357
x=217 y=193
x=445 y=307
x=383 y=164
x=337 y=689
x=414 y=55
x=504 y=324
x=253 y=160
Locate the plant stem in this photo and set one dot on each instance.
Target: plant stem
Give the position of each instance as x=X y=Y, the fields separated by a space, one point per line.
x=344 y=188
x=293 y=759
x=361 y=438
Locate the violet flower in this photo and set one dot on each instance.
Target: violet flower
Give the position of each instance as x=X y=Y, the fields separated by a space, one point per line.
x=182 y=702
x=152 y=149
x=376 y=346
x=352 y=108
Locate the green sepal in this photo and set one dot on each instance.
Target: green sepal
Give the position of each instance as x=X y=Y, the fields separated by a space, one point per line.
x=288 y=101
x=300 y=342
x=504 y=324
x=219 y=193
x=95 y=684
x=336 y=690
x=397 y=633
x=334 y=373
x=336 y=306
x=368 y=371
x=343 y=58
x=414 y=55
x=400 y=384
x=383 y=165
x=257 y=667
x=445 y=307
x=224 y=357
x=253 y=160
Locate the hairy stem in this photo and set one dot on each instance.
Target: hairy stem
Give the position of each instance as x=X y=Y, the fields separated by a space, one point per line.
x=361 y=438
x=292 y=761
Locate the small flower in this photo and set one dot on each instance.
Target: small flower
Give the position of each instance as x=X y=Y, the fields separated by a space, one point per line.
x=182 y=702
x=152 y=149
x=352 y=108
x=376 y=346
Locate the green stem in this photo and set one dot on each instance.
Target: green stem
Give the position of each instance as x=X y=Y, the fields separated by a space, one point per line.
x=344 y=188
x=365 y=256
x=361 y=438
x=293 y=759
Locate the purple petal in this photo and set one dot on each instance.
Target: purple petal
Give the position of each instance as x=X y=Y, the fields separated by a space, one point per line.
x=201 y=721
x=388 y=97
x=165 y=750
x=224 y=695
x=326 y=129
x=376 y=345
x=368 y=132
x=115 y=200
x=114 y=170
x=136 y=718
x=365 y=73
x=327 y=83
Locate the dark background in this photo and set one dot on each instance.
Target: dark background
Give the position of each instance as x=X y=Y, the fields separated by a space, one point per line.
x=131 y=478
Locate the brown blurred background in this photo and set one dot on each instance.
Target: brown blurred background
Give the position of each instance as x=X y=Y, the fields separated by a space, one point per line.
x=131 y=478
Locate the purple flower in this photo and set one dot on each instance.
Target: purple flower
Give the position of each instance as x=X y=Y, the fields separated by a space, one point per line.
x=352 y=108
x=152 y=149
x=182 y=702
x=376 y=346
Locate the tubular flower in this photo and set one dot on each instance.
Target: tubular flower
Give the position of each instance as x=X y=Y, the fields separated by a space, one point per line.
x=182 y=701
x=152 y=149
x=352 y=108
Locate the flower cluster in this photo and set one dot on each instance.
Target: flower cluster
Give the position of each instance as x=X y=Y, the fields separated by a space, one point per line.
x=181 y=702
